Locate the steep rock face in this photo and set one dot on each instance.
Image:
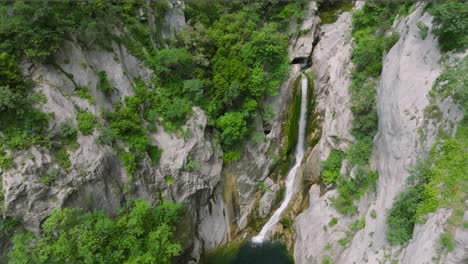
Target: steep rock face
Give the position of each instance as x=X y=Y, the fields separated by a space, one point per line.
x=301 y=47
x=409 y=71
x=174 y=18
x=332 y=65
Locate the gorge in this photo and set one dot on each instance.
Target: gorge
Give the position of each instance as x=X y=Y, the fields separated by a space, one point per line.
x=231 y=132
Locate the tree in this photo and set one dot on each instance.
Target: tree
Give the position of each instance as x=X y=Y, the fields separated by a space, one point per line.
x=141 y=233
x=233 y=127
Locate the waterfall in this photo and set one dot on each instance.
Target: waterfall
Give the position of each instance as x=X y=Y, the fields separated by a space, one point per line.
x=292 y=173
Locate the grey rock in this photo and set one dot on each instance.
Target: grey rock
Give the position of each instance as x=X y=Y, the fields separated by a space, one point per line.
x=267 y=200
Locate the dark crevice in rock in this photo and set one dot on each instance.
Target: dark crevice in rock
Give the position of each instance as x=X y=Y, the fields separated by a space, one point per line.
x=303 y=61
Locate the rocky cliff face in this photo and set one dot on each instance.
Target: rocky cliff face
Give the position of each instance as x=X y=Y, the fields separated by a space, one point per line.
x=223 y=198
x=220 y=198
x=409 y=71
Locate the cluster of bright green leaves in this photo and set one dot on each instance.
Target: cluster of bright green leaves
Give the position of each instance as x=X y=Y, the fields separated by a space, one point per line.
x=451 y=24
x=140 y=233
x=331 y=166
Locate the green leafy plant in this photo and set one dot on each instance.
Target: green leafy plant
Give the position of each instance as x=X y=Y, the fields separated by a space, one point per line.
x=104 y=84
x=84 y=93
x=333 y=221
x=450 y=24
x=331 y=166
x=423 y=29
x=86 y=122
x=63 y=158
x=447 y=241
x=139 y=233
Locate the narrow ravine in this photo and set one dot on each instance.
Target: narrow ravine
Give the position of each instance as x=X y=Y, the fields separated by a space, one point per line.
x=290 y=179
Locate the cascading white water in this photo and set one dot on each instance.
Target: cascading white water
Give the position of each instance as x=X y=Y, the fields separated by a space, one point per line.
x=292 y=173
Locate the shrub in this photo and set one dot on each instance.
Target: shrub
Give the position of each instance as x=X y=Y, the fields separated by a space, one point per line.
x=331 y=166
x=192 y=165
x=333 y=221
x=84 y=93
x=451 y=24
x=358 y=224
x=67 y=132
x=63 y=158
x=51 y=176
x=423 y=29
x=86 y=121
x=128 y=160
x=231 y=156
x=233 y=128
x=447 y=241
x=103 y=84
x=343 y=241
x=327 y=260
x=140 y=233
x=154 y=153
x=106 y=137
x=350 y=189
x=6 y=162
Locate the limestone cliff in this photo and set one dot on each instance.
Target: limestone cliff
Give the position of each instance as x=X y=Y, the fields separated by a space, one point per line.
x=409 y=72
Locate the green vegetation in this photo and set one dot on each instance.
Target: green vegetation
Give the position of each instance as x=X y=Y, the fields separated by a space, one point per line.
x=352 y=189
x=423 y=29
x=447 y=241
x=231 y=57
x=86 y=122
x=103 y=83
x=262 y=187
x=6 y=162
x=327 y=260
x=51 y=176
x=84 y=93
x=331 y=166
x=63 y=158
x=192 y=165
x=291 y=126
x=243 y=56
x=451 y=24
x=452 y=82
x=67 y=132
x=7 y=228
x=139 y=234
x=333 y=221
x=330 y=10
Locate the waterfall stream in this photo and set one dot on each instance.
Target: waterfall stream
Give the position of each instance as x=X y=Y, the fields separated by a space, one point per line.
x=290 y=179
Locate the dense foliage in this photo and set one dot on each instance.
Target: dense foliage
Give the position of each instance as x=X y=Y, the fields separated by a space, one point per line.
x=246 y=59
x=140 y=233
x=331 y=166
x=451 y=24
